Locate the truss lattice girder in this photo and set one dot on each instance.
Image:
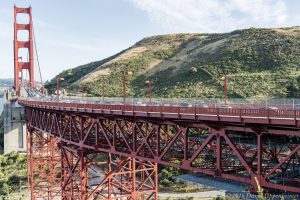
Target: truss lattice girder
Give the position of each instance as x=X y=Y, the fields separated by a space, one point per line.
x=43 y=165
x=213 y=150
x=58 y=170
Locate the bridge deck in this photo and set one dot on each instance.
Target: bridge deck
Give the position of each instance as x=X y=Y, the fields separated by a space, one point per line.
x=203 y=140
x=237 y=115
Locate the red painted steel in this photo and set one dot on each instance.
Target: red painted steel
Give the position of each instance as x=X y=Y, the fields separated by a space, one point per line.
x=236 y=151
x=43 y=165
x=89 y=151
x=20 y=66
x=235 y=115
x=58 y=169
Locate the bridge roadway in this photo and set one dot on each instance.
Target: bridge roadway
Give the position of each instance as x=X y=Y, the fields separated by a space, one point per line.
x=166 y=135
x=239 y=114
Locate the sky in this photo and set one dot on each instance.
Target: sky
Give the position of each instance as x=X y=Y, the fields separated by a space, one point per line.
x=70 y=33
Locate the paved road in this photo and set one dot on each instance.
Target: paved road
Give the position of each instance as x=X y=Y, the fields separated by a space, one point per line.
x=208 y=194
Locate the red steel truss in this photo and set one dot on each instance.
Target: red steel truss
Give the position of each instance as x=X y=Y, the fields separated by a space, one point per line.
x=61 y=170
x=96 y=175
x=43 y=161
x=235 y=151
x=91 y=151
x=19 y=63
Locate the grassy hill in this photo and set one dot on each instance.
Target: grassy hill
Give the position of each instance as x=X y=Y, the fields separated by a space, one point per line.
x=258 y=62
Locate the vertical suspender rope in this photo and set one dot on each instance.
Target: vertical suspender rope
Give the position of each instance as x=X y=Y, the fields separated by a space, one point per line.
x=37 y=57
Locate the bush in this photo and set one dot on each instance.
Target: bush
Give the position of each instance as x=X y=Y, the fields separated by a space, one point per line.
x=165 y=182
x=12 y=171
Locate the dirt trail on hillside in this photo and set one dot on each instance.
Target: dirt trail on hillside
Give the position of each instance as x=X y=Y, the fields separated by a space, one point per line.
x=104 y=69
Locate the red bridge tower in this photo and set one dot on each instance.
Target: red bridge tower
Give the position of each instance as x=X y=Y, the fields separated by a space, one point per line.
x=19 y=64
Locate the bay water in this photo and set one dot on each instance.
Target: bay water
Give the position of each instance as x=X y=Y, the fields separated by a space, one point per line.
x=1 y=104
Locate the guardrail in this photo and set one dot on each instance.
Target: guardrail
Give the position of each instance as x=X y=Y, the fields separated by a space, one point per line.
x=211 y=110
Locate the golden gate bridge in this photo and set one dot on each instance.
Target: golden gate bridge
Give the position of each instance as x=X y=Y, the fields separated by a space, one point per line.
x=111 y=150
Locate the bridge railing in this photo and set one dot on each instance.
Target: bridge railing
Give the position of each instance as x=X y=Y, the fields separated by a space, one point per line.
x=211 y=102
x=192 y=109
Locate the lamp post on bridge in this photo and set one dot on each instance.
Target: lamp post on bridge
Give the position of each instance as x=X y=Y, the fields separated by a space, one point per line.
x=102 y=89
x=58 y=86
x=224 y=78
x=125 y=74
x=149 y=82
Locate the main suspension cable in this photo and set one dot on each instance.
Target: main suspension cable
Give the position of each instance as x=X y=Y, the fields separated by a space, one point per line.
x=37 y=57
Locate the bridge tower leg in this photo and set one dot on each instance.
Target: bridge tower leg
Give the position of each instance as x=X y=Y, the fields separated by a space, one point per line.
x=20 y=64
x=43 y=160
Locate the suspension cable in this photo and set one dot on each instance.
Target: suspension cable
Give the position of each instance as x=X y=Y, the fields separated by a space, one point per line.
x=27 y=72
x=37 y=57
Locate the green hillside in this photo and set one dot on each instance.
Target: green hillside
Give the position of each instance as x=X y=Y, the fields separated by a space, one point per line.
x=13 y=174
x=258 y=62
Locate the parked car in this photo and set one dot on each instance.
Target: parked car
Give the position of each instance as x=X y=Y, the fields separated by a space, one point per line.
x=118 y=103
x=104 y=103
x=201 y=105
x=185 y=105
x=225 y=106
x=296 y=107
x=271 y=108
x=83 y=101
x=153 y=103
x=140 y=103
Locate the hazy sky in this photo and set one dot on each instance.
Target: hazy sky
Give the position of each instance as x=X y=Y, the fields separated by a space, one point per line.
x=74 y=32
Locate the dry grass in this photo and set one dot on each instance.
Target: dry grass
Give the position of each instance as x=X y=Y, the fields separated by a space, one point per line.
x=288 y=31
x=23 y=195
